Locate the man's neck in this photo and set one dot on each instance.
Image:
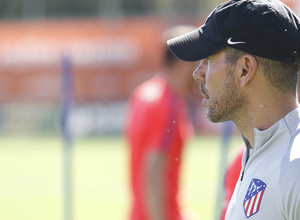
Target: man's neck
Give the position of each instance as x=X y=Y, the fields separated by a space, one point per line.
x=262 y=114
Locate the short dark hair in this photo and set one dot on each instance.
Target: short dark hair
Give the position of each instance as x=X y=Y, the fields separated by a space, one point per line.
x=281 y=75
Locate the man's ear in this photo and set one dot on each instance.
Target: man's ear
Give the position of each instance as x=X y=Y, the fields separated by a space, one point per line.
x=247 y=68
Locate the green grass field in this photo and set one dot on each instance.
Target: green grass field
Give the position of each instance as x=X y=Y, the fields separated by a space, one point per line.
x=31 y=178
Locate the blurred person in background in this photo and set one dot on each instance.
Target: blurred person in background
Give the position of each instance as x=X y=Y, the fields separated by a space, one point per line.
x=157 y=129
x=231 y=177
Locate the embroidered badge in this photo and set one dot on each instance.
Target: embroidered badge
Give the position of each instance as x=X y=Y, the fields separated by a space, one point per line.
x=254 y=197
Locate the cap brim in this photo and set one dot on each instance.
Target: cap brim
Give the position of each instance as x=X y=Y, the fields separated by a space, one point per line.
x=193 y=46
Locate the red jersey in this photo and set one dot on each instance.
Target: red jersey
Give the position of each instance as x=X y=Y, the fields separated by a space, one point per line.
x=231 y=177
x=157 y=120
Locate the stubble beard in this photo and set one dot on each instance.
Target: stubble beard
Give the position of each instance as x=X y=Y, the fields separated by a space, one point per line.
x=229 y=104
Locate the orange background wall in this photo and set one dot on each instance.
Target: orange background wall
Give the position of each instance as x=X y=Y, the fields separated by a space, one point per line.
x=109 y=57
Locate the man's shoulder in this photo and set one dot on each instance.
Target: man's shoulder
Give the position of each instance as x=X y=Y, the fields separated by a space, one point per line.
x=151 y=91
x=290 y=164
x=294 y=152
x=290 y=178
x=291 y=157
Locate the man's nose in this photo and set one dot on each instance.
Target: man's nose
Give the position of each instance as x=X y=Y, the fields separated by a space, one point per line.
x=200 y=71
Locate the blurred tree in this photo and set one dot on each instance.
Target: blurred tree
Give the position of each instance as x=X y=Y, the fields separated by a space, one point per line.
x=110 y=8
x=10 y=9
x=74 y=8
x=33 y=8
x=138 y=6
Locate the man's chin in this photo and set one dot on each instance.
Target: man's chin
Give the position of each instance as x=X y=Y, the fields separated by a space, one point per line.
x=214 y=118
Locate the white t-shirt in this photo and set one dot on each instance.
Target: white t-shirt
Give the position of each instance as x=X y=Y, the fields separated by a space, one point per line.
x=269 y=183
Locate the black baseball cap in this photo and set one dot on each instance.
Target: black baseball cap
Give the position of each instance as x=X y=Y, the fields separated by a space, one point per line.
x=265 y=28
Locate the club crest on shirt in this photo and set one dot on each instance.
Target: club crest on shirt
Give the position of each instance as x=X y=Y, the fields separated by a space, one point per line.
x=253 y=197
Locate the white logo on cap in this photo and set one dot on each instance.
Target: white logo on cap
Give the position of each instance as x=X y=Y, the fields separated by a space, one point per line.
x=230 y=42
